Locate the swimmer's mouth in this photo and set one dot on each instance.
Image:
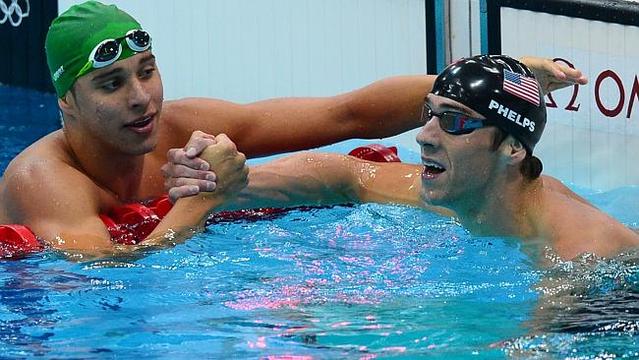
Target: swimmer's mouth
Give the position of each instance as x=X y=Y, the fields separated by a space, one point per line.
x=142 y=122
x=432 y=167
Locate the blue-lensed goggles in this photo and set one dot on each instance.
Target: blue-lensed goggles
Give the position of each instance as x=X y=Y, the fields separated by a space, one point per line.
x=452 y=122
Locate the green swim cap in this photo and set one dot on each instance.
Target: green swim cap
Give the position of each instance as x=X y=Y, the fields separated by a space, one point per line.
x=76 y=32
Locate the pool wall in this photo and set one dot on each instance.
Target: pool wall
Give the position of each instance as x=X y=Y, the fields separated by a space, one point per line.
x=593 y=132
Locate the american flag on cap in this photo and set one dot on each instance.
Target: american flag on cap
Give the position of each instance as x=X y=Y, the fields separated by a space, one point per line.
x=523 y=87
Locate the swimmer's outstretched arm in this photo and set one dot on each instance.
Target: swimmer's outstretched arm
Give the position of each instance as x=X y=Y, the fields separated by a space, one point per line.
x=312 y=178
x=384 y=108
x=63 y=209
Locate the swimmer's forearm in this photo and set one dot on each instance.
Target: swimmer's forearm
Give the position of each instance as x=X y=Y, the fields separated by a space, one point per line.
x=287 y=191
x=310 y=179
x=390 y=106
x=187 y=216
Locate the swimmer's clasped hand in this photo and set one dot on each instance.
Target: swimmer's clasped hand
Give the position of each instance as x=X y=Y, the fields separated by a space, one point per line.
x=185 y=173
x=226 y=168
x=229 y=164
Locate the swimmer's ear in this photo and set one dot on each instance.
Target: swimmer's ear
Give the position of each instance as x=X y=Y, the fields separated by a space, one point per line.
x=67 y=102
x=63 y=103
x=513 y=149
x=518 y=152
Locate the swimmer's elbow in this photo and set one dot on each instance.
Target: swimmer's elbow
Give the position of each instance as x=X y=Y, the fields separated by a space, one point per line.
x=331 y=177
x=347 y=179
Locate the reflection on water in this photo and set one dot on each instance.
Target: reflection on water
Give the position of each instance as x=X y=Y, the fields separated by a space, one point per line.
x=588 y=307
x=349 y=282
x=27 y=319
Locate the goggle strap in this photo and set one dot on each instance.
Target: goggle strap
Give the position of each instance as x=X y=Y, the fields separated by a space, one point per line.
x=85 y=69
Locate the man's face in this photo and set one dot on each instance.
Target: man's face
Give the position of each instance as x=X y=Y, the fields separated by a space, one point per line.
x=456 y=167
x=119 y=106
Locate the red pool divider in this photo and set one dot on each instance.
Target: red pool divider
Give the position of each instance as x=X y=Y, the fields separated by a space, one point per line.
x=17 y=241
x=129 y=224
x=376 y=153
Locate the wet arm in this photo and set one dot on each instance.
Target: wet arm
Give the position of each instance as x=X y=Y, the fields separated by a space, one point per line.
x=311 y=178
x=384 y=108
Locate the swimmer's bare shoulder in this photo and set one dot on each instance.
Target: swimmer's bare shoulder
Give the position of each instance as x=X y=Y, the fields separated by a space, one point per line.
x=43 y=189
x=574 y=226
x=559 y=187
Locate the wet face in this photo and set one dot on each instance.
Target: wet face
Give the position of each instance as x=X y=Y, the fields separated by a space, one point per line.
x=456 y=167
x=119 y=106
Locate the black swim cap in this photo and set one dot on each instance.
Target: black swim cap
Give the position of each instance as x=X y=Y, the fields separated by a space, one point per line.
x=500 y=88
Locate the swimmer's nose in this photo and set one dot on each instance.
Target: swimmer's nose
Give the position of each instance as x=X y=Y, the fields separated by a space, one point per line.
x=429 y=135
x=139 y=95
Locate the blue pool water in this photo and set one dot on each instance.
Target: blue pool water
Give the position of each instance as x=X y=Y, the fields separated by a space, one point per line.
x=25 y=116
x=356 y=282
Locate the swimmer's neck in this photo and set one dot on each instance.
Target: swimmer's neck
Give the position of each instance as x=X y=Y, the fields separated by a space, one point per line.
x=506 y=209
x=113 y=171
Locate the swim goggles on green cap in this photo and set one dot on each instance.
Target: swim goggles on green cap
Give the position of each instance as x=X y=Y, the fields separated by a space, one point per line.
x=109 y=51
x=452 y=122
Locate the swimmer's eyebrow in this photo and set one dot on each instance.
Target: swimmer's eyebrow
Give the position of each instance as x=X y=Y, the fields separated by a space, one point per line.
x=459 y=108
x=147 y=58
x=445 y=106
x=107 y=74
x=118 y=70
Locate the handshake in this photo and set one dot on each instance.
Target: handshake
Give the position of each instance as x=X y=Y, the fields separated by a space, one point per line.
x=208 y=164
